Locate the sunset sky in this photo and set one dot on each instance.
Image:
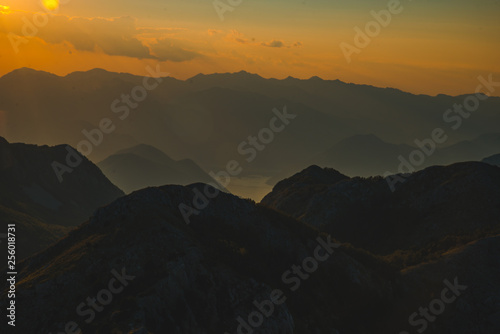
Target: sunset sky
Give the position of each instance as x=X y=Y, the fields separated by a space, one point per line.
x=430 y=47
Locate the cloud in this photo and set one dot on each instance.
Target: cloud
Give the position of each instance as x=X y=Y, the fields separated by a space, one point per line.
x=238 y=37
x=173 y=50
x=280 y=44
x=148 y=30
x=212 y=32
x=274 y=44
x=113 y=36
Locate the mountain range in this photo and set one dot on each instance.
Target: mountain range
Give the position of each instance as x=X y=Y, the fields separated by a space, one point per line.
x=205 y=276
x=119 y=231
x=207 y=117
x=322 y=253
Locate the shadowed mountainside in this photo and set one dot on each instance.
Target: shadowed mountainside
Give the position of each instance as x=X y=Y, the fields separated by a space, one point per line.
x=200 y=277
x=195 y=278
x=460 y=202
x=32 y=196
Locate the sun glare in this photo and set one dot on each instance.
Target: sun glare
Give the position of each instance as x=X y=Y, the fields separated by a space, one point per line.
x=4 y=9
x=51 y=4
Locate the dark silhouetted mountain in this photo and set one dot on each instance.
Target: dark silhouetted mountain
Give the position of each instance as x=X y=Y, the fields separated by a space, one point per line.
x=145 y=166
x=493 y=160
x=459 y=201
x=200 y=277
x=197 y=277
x=32 y=196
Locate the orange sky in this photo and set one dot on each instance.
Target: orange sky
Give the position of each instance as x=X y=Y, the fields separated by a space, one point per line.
x=429 y=49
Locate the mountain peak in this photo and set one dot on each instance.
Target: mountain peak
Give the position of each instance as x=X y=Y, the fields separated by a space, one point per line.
x=25 y=71
x=311 y=175
x=315 y=174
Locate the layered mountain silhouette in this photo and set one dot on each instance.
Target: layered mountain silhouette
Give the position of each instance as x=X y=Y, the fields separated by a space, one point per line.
x=335 y=248
x=143 y=166
x=493 y=160
x=205 y=276
x=43 y=208
x=207 y=117
x=368 y=155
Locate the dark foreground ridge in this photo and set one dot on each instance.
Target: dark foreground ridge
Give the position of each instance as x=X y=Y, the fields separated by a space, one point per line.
x=235 y=256
x=459 y=203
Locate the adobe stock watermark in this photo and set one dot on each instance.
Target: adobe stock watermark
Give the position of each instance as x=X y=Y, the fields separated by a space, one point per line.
x=455 y=117
x=122 y=107
x=436 y=307
x=32 y=25
x=223 y=6
x=293 y=278
x=372 y=29
x=250 y=149
x=97 y=303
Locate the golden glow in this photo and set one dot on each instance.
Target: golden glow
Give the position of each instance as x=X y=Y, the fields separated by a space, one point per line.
x=4 y=9
x=446 y=57
x=51 y=4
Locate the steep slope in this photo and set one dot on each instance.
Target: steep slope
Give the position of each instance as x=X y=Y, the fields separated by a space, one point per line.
x=33 y=234
x=198 y=277
x=144 y=166
x=32 y=196
x=458 y=202
x=28 y=179
x=473 y=308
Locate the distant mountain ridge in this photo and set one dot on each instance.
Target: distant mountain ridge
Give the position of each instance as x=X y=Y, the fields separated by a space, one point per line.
x=493 y=160
x=368 y=155
x=188 y=118
x=144 y=166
